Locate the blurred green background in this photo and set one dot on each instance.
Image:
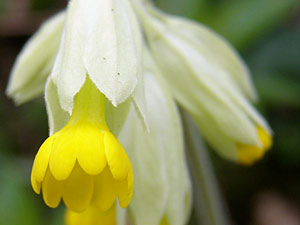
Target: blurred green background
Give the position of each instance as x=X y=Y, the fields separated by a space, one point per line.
x=267 y=35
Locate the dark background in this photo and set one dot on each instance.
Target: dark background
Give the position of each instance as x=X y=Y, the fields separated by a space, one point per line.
x=267 y=35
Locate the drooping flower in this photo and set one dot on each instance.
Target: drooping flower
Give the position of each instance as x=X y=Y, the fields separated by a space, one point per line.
x=191 y=53
x=210 y=81
x=84 y=162
x=162 y=193
x=95 y=93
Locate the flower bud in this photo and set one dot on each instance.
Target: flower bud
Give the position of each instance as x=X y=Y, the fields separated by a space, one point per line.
x=210 y=87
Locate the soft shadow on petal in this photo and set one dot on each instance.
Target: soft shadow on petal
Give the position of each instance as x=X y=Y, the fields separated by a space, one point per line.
x=52 y=190
x=105 y=190
x=78 y=190
x=91 y=155
x=116 y=157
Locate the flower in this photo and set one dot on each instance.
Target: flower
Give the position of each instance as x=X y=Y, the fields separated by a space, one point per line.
x=83 y=162
x=162 y=193
x=209 y=80
x=117 y=74
x=86 y=162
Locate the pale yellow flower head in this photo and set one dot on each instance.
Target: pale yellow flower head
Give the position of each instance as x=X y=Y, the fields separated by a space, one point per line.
x=84 y=162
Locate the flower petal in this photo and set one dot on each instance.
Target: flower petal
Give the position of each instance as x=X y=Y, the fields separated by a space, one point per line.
x=52 y=190
x=91 y=155
x=247 y=154
x=221 y=143
x=36 y=186
x=111 y=56
x=164 y=117
x=150 y=193
x=41 y=160
x=57 y=117
x=63 y=156
x=78 y=190
x=215 y=48
x=116 y=116
x=125 y=189
x=35 y=61
x=69 y=72
x=199 y=89
x=92 y=216
x=116 y=157
x=158 y=185
x=138 y=94
x=105 y=190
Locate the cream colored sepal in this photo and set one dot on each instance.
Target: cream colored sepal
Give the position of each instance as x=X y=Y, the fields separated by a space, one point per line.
x=162 y=184
x=35 y=61
x=203 y=86
x=100 y=39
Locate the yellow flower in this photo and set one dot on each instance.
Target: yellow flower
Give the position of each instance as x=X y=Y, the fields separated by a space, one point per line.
x=83 y=162
x=249 y=154
x=92 y=216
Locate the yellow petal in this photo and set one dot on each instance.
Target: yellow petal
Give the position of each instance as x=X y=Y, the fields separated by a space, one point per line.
x=164 y=221
x=264 y=138
x=92 y=216
x=116 y=157
x=130 y=181
x=125 y=189
x=105 y=190
x=106 y=218
x=63 y=155
x=52 y=190
x=41 y=160
x=35 y=185
x=73 y=218
x=78 y=190
x=91 y=155
x=248 y=154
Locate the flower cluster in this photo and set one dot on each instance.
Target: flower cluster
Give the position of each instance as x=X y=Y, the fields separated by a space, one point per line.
x=118 y=68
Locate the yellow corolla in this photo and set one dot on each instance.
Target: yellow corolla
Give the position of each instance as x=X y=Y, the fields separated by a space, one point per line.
x=84 y=163
x=248 y=154
x=92 y=216
x=164 y=221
